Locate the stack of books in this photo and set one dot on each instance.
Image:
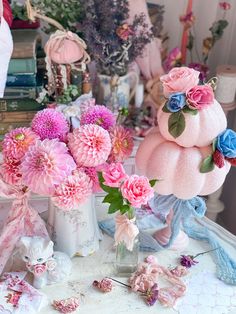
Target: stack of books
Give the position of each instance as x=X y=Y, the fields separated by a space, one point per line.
x=24 y=82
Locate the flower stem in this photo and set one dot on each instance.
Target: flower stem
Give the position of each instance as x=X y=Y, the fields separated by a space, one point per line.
x=119 y=282
x=202 y=253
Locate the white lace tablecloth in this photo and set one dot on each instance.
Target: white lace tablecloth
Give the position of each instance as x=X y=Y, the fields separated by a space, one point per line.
x=205 y=294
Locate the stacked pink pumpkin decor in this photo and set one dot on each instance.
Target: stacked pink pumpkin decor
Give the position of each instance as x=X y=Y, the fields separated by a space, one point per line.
x=190 y=152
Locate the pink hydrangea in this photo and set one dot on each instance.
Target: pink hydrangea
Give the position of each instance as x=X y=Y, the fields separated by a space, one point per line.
x=122 y=143
x=73 y=191
x=50 y=123
x=99 y=115
x=90 y=145
x=114 y=175
x=17 y=142
x=10 y=170
x=137 y=190
x=46 y=164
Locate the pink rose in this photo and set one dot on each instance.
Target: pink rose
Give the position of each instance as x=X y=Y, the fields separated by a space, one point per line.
x=200 y=96
x=114 y=175
x=179 y=80
x=39 y=269
x=137 y=190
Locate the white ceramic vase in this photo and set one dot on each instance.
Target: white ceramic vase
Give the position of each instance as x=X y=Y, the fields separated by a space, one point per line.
x=75 y=232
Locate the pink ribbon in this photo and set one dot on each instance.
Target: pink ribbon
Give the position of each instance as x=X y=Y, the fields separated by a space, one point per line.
x=126 y=231
x=185 y=34
x=22 y=220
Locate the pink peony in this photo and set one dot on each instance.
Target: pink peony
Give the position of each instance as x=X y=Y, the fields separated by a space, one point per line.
x=200 y=97
x=122 y=144
x=179 y=80
x=114 y=175
x=137 y=190
x=92 y=172
x=90 y=145
x=99 y=115
x=46 y=164
x=73 y=191
x=10 y=171
x=50 y=123
x=17 y=142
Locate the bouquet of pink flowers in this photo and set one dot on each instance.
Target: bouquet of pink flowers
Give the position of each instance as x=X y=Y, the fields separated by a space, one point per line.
x=50 y=160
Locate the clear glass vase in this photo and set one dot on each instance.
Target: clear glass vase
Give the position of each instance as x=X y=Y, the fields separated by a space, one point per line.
x=126 y=259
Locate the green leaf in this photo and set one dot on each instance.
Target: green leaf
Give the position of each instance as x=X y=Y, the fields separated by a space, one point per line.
x=124 y=209
x=165 y=109
x=152 y=182
x=193 y=112
x=115 y=206
x=176 y=124
x=214 y=145
x=108 y=198
x=207 y=164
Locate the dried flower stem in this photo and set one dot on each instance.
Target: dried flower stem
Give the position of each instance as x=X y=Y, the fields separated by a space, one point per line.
x=202 y=253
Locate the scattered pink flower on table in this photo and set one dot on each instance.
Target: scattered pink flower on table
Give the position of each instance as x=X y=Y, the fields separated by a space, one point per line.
x=99 y=115
x=137 y=190
x=73 y=191
x=179 y=80
x=122 y=143
x=200 y=97
x=151 y=259
x=179 y=271
x=50 y=124
x=90 y=145
x=152 y=295
x=105 y=285
x=46 y=164
x=10 y=171
x=66 y=306
x=114 y=175
x=17 y=142
x=225 y=5
x=187 y=261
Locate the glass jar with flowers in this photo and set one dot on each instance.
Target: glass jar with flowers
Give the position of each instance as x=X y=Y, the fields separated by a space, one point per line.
x=113 y=44
x=124 y=194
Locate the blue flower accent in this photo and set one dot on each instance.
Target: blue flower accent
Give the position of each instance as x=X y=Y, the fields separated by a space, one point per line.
x=176 y=102
x=226 y=143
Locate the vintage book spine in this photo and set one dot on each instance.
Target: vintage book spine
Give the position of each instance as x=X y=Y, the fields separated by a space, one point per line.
x=6 y=127
x=26 y=43
x=22 y=92
x=17 y=116
x=13 y=105
x=21 y=80
x=22 y=66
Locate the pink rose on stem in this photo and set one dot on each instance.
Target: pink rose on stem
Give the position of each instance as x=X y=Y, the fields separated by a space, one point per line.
x=137 y=190
x=114 y=175
x=200 y=97
x=179 y=80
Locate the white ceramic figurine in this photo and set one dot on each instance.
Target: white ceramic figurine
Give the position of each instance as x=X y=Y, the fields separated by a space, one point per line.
x=47 y=266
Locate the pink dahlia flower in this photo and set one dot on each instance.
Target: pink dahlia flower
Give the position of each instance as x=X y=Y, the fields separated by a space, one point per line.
x=122 y=143
x=17 y=142
x=137 y=190
x=114 y=175
x=73 y=191
x=50 y=123
x=10 y=171
x=46 y=164
x=90 y=145
x=92 y=172
x=99 y=115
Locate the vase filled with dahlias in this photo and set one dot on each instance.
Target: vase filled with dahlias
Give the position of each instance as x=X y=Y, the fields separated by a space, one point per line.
x=124 y=194
x=113 y=44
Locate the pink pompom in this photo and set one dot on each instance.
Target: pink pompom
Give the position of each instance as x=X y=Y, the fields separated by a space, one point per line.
x=46 y=164
x=99 y=115
x=90 y=145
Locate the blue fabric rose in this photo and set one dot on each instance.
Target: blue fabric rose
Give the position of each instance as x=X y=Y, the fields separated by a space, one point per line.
x=226 y=143
x=176 y=102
